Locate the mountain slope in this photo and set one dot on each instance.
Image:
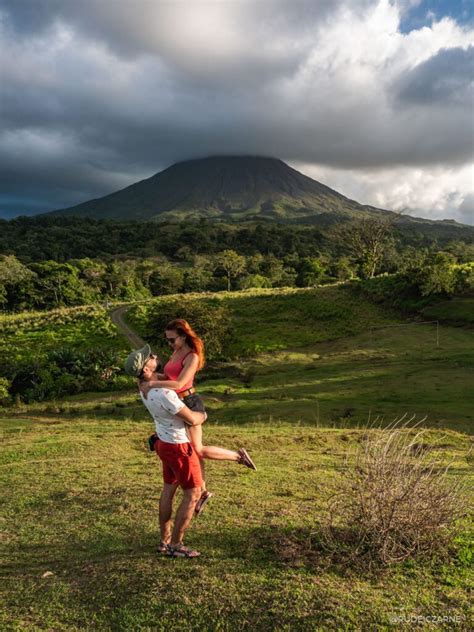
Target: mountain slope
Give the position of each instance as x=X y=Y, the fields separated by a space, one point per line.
x=230 y=187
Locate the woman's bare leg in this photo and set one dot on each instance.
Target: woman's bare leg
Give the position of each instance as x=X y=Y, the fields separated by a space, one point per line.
x=209 y=451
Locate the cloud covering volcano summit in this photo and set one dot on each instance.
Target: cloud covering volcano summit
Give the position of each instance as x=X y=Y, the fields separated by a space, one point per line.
x=355 y=93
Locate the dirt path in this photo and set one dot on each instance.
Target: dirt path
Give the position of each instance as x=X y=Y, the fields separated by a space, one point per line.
x=117 y=318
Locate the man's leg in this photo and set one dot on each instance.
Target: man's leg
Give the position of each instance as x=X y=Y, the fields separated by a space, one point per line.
x=166 y=507
x=184 y=514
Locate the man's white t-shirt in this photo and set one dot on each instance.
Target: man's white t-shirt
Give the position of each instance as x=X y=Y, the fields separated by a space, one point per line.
x=163 y=404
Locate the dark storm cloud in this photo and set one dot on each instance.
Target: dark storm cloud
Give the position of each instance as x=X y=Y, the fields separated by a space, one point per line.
x=447 y=78
x=96 y=95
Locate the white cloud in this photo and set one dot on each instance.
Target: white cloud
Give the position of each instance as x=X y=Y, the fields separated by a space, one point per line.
x=434 y=193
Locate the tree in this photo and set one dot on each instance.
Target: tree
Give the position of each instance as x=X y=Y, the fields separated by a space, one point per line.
x=92 y=271
x=411 y=259
x=58 y=284
x=310 y=273
x=196 y=279
x=12 y=274
x=273 y=269
x=254 y=264
x=341 y=269
x=254 y=280
x=366 y=240
x=232 y=264
x=146 y=268
x=438 y=276
x=123 y=281
x=167 y=279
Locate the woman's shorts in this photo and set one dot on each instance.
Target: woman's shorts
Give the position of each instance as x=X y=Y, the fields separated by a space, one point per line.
x=195 y=403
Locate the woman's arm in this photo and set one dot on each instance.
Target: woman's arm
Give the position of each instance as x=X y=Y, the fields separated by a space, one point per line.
x=186 y=375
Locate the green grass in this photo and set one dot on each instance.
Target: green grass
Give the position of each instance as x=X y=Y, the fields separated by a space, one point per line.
x=381 y=373
x=80 y=503
x=275 y=319
x=312 y=368
x=298 y=318
x=35 y=333
x=456 y=310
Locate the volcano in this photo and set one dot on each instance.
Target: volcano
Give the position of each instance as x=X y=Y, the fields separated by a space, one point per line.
x=223 y=187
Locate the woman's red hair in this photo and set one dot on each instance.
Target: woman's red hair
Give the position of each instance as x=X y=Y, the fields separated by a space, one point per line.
x=183 y=328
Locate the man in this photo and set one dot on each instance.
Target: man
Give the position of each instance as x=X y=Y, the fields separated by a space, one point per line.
x=181 y=465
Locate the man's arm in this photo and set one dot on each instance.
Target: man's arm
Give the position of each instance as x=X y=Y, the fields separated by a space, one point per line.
x=190 y=417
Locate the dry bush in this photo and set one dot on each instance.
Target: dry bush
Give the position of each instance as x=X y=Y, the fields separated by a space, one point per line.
x=397 y=501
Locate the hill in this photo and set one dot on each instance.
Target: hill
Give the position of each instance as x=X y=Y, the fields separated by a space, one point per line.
x=221 y=187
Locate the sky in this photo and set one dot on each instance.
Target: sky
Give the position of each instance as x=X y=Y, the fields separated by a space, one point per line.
x=374 y=98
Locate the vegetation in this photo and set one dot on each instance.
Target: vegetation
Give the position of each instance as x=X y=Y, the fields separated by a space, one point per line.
x=64 y=351
x=457 y=311
x=80 y=531
x=398 y=500
x=221 y=257
x=241 y=324
x=307 y=371
x=414 y=289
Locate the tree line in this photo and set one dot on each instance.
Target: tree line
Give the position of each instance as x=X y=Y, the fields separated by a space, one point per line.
x=264 y=256
x=48 y=285
x=44 y=238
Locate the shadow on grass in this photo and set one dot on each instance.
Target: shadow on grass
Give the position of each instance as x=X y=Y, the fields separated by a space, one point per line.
x=265 y=549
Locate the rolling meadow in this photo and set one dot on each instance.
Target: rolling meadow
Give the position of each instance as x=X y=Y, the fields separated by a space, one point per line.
x=303 y=377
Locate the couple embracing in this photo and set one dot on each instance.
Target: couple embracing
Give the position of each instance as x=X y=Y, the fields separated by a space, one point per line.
x=178 y=412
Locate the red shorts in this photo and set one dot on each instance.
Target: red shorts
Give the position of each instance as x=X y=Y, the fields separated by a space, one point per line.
x=180 y=464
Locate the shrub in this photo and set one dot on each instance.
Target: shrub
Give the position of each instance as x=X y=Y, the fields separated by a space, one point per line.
x=65 y=372
x=397 y=501
x=254 y=280
x=396 y=290
x=464 y=273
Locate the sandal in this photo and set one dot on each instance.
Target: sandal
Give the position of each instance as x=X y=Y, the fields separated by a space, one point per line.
x=162 y=548
x=182 y=551
x=202 y=502
x=245 y=459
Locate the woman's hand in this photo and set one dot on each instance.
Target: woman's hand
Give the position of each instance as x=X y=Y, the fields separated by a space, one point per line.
x=144 y=387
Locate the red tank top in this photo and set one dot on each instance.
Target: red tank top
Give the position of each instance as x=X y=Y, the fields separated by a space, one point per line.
x=173 y=369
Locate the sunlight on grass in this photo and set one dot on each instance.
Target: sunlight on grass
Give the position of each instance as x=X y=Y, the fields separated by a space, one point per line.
x=86 y=513
x=80 y=487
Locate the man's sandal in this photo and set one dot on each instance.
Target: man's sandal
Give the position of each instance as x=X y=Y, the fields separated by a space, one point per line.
x=202 y=502
x=181 y=551
x=162 y=548
x=245 y=459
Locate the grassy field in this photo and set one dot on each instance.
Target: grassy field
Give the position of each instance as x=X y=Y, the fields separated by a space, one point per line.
x=81 y=489
x=81 y=328
x=457 y=310
x=80 y=506
x=272 y=320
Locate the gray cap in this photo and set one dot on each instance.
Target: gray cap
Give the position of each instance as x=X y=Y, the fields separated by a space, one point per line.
x=136 y=361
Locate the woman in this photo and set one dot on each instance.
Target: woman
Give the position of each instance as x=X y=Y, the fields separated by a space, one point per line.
x=179 y=372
